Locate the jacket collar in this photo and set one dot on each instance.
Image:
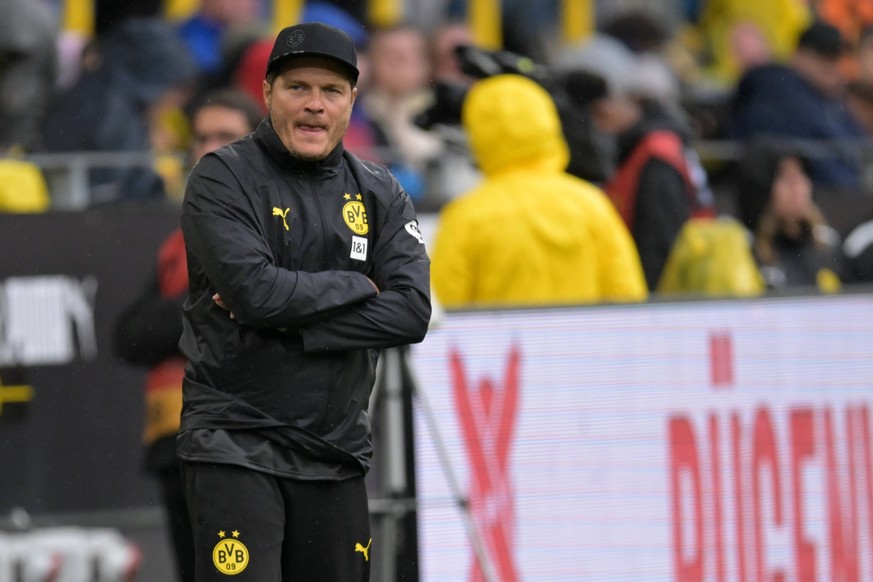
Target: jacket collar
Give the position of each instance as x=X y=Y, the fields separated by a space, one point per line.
x=269 y=140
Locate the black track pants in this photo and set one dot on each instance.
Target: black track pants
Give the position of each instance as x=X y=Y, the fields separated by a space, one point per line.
x=178 y=522
x=251 y=526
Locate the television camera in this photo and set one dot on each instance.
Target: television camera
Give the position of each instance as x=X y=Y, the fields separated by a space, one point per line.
x=568 y=90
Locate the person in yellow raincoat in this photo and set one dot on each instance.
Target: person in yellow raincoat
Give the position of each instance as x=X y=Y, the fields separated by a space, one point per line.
x=529 y=233
x=780 y=22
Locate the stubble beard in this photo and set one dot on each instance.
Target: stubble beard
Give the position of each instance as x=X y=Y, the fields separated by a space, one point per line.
x=343 y=127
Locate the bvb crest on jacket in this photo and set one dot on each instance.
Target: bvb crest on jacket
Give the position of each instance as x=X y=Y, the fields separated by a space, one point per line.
x=355 y=214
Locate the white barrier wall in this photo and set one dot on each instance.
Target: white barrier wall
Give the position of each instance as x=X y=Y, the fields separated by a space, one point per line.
x=722 y=441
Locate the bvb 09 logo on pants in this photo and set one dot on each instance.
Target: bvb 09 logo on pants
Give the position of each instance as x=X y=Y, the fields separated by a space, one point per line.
x=230 y=556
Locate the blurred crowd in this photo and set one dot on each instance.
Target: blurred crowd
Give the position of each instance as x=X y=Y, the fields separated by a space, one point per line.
x=760 y=112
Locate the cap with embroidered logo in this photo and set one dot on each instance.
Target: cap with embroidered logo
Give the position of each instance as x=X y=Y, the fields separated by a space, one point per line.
x=314 y=39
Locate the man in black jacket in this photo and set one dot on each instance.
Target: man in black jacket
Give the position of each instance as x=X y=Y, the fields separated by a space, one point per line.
x=303 y=262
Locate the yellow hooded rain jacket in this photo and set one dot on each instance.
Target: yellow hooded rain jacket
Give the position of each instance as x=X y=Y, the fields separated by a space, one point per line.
x=530 y=234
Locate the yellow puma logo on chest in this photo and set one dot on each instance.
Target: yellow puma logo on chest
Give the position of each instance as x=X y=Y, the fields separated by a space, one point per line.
x=283 y=213
x=364 y=550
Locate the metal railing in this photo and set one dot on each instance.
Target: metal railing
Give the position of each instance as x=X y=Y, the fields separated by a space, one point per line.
x=68 y=174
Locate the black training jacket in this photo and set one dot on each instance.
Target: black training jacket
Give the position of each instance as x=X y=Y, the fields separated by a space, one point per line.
x=289 y=246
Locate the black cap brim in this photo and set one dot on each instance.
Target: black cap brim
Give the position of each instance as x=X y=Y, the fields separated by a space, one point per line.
x=282 y=60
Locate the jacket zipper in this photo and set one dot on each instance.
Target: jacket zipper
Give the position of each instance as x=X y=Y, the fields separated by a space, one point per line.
x=318 y=206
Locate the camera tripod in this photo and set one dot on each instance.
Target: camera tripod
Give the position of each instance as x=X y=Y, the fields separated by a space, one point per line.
x=392 y=405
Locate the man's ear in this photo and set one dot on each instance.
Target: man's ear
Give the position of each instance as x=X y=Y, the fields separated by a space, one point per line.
x=268 y=93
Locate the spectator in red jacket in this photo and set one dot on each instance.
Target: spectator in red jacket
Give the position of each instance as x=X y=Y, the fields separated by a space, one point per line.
x=657 y=183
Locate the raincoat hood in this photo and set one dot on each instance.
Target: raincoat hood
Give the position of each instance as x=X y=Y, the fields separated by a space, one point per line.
x=529 y=233
x=511 y=121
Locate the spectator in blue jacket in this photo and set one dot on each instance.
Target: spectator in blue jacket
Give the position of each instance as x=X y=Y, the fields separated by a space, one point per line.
x=139 y=65
x=803 y=100
x=204 y=31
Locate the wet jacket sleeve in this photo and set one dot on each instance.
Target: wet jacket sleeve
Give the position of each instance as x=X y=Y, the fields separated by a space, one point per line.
x=453 y=270
x=621 y=274
x=401 y=312
x=223 y=233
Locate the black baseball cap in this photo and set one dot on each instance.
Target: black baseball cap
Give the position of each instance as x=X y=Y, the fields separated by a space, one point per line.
x=825 y=40
x=315 y=39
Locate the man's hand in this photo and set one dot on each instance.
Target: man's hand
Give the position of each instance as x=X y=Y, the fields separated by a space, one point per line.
x=220 y=302
x=373 y=283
